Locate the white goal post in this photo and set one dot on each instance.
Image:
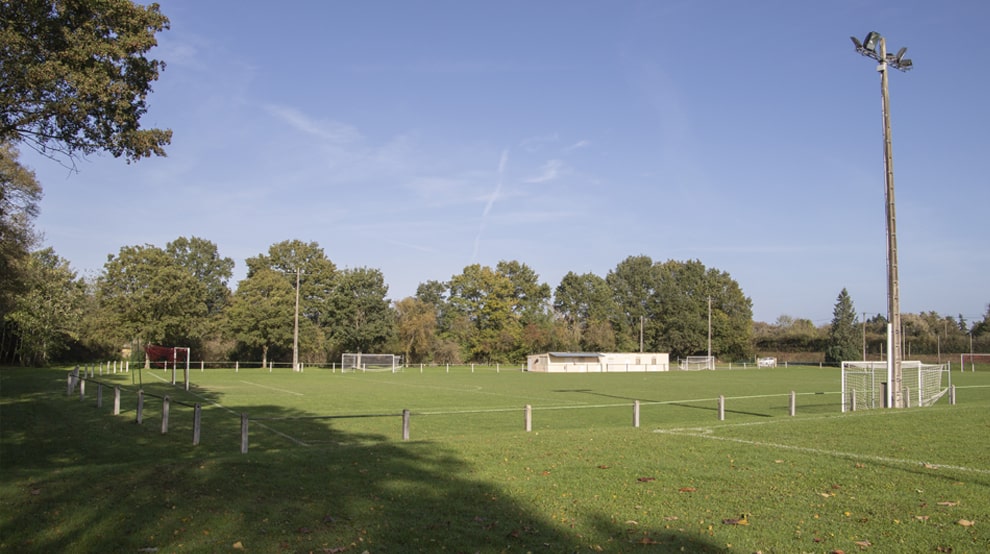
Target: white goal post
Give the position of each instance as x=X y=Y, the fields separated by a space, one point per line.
x=864 y=384
x=370 y=362
x=972 y=359
x=694 y=363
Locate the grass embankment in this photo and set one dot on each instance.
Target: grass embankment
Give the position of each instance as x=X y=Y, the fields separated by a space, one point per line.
x=75 y=478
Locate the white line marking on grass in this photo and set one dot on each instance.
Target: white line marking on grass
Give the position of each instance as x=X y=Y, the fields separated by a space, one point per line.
x=259 y=424
x=273 y=388
x=708 y=433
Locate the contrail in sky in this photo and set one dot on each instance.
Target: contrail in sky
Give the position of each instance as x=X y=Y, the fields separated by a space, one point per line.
x=503 y=161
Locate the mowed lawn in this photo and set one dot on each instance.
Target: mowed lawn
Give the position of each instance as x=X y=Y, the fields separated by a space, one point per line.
x=327 y=469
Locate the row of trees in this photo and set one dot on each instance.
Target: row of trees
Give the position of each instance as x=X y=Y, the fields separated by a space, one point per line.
x=849 y=337
x=293 y=293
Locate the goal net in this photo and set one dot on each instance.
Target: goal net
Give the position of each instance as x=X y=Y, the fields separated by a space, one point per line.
x=863 y=383
x=370 y=362
x=972 y=360
x=693 y=363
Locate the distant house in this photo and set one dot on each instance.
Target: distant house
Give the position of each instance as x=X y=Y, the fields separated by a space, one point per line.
x=598 y=362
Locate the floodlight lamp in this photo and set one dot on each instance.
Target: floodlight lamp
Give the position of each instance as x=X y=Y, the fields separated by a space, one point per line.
x=859 y=45
x=905 y=65
x=900 y=54
x=871 y=41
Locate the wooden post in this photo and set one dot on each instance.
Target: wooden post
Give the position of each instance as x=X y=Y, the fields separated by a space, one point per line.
x=852 y=400
x=202 y=367
x=244 y=433
x=82 y=389
x=529 y=418
x=116 y=400
x=721 y=407
x=237 y=366
x=792 y=407
x=68 y=385
x=907 y=397
x=140 y=407
x=405 y=425
x=636 y=414
x=165 y=408
x=472 y=368
x=952 y=395
x=99 y=395
x=197 y=419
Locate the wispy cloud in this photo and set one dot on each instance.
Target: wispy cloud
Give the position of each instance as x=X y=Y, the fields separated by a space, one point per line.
x=332 y=131
x=550 y=171
x=535 y=144
x=577 y=146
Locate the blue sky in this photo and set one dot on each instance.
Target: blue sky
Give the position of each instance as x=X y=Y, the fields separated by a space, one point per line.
x=421 y=137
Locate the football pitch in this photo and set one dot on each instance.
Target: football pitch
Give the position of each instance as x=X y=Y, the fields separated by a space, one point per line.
x=327 y=469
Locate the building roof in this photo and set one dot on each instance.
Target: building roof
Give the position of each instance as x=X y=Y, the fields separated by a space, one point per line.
x=576 y=354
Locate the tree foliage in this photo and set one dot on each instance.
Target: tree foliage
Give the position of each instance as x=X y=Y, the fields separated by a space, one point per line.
x=844 y=340
x=75 y=76
x=48 y=315
x=261 y=312
x=359 y=316
x=147 y=297
x=20 y=194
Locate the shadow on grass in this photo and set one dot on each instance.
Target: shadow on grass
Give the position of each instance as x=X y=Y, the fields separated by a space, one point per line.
x=78 y=479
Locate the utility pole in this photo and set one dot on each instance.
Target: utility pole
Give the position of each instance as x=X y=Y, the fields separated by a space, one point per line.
x=710 y=362
x=295 y=330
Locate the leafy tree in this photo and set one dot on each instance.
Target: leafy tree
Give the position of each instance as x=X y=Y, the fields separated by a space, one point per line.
x=530 y=298
x=48 y=314
x=147 y=297
x=486 y=299
x=633 y=285
x=75 y=76
x=981 y=328
x=843 y=337
x=685 y=290
x=416 y=325
x=316 y=274
x=261 y=312
x=19 y=197
x=360 y=318
x=586 y=303
x=201 y=258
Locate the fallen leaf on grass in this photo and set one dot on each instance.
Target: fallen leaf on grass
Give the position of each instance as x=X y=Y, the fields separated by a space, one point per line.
x=930 y=466
x=966 y=523
x=921 y=518
x=687 y=489
x=734 y=521
x=238 y=546
x=646 y=479
x=863 y=544
x=603 y=466
x=948 y=503
x=670 y=518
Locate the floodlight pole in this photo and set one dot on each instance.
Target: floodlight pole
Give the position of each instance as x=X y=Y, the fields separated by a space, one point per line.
x=876 y=47
x=893 y=289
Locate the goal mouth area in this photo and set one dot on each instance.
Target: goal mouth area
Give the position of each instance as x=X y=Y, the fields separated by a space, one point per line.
x=864 y=384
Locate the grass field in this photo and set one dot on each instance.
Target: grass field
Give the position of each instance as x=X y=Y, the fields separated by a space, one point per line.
x=328 y=471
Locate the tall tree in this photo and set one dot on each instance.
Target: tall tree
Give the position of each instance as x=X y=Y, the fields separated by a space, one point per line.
x=416 y=325
x=315 y=272
x=145 y=296
x=843 y=338
x=75 y=76
x=633 y=284
x=360 y=318
x=201 y=258
x=48 y=314
x=585 y=302
x=19 y=197
x=260 y=314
